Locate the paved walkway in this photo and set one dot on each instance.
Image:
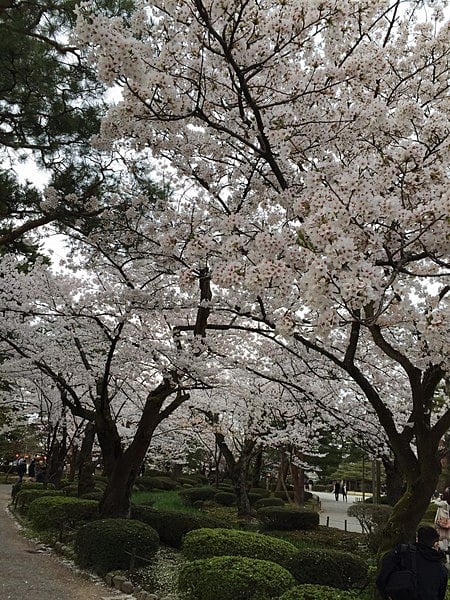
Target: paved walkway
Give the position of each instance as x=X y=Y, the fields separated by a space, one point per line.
x=30 y=571
x=334 y=513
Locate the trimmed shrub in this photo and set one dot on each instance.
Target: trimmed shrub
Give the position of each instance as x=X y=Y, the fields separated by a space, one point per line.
x=234 y=578
x=318 y=592
x=205 y=543
x=226 y=487
x=372 y=518
x=50 y=512
x=186 y=480
x=191 y=495
x=225 y=498
x=155 y=483
x=329 y=567
x=107 y=544
x=26 y=496
x=287 y=518
x=70 y=490
x=261 y=492
x=269 y=502
x=282 y=494
x=95 y=495
x=25 y=485
x=172 y=526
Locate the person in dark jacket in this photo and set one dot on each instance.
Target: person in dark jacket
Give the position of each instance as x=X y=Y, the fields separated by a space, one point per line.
x=21 y=468
x=430 y=565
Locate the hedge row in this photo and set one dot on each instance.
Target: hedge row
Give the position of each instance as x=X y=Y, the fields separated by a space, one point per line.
x=206 y=543
x=172 y=526
x=50 y=512
x=234 y=578
x=109 y=544
x=327 y=567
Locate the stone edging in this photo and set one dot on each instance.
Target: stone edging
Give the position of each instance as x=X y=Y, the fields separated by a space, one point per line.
x=118 y=582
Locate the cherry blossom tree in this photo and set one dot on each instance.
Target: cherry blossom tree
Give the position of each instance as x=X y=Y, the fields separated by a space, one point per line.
x=315 y=135
x=103 y=341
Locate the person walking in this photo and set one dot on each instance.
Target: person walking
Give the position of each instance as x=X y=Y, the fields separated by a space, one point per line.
x=32 y=469
x=425 y=558
x=344 y=490
x=21 y=468
x=442 y=521
x=336 y=489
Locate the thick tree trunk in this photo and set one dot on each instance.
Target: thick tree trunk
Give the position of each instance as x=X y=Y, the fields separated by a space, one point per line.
x=411 y=507
x=73 y=462
x=117 y=498
x=283 y=469
x=56 y=457
x=239 y=472
x=257 y=468
x=298 y=481
x=395 y=482
x=122 y=466
x=86 y=481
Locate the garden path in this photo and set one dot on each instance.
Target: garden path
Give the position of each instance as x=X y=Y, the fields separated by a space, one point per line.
x=334 y=513
x=31 y=571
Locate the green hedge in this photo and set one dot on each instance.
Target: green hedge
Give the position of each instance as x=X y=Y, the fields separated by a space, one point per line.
x=205 y=543
x=147 y=483
x=318 y=592
x=234 y=578
x=329 y=567
x=50 y=512
x=172 y=526
x=287 y=518
x=26 y=496
x=107 y=544
x=192 y=495
x=225 y=498
x=268 y=502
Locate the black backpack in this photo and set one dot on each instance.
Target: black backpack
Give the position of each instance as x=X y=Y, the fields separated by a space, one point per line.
x=402 y=582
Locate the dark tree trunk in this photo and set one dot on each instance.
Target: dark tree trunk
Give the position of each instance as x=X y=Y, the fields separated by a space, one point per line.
x=86 y=481
x=283 y=470
x=257 y=468
x=298 y=481
x=395 y=482
x=239 y=472
x=73 y=462
x=123 y=466
x=56 y=457
x=411 y=507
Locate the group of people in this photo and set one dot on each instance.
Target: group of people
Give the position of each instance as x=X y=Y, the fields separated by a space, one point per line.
x=340 y=487
x=425 y=560
x=35 y=470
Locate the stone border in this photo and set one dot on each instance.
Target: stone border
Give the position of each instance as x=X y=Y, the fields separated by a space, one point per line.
x=118 y=582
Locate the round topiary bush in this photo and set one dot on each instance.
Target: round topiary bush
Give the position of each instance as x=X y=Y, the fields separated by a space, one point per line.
x=268 y=502
x=287 y=518
x=70 y=490
x=95 y=495
x=108 y=544
x=172 y=526
x=234 y=578
x=155 y=483
x=318 y=592
x=205 y=543
x=50 y=512
x=225 y=498
x=329 y=567
x=191 y=495
x=26 y=496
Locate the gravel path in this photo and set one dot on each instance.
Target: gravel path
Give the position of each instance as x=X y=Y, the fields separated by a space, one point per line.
x=30 y=571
